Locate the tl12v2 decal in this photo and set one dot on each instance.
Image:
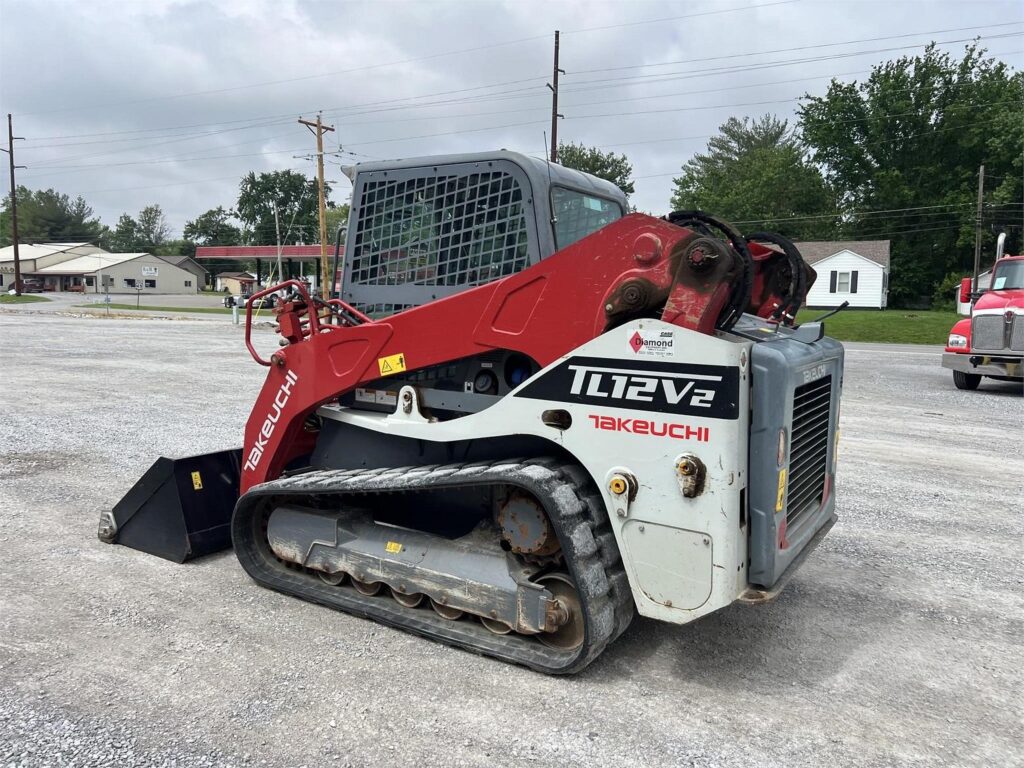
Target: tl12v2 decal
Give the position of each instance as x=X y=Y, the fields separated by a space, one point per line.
x=711 y=391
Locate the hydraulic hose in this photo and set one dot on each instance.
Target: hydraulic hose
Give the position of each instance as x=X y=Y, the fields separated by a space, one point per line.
x=739 y=297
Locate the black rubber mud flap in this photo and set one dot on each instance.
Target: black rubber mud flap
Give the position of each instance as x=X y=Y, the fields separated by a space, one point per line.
x=179 y=509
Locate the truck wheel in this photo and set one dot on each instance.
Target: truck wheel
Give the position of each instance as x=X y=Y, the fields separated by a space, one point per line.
x=966 y=380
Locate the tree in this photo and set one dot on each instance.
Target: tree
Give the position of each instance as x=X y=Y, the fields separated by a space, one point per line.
x=904 y=147
x=153 y=229
x=756 y=172
x=604 y=165
x=296 y=199
x=213 y=228
x=125 y=237
x=49 y=216
x=337 y=216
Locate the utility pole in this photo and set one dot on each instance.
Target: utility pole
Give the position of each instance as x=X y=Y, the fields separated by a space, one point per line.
x=977 y=228
x=320 y=130
x=553 y=85
x=14 y=204
x=277 y=230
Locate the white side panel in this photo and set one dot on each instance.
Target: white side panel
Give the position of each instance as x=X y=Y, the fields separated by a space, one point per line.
x=870 y=282
x=678 y=577
x=675 y=564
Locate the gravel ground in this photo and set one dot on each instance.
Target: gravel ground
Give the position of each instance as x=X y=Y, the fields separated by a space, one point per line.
x=898 y=643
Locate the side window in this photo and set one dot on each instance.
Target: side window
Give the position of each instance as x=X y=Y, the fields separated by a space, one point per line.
x=129 y=282
x=188 y=283
x=578 y=214
x=150 y=284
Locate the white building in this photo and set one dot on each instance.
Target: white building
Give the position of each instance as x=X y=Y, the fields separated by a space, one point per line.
x=35 y=257
x=853 y=271
x=129 y=273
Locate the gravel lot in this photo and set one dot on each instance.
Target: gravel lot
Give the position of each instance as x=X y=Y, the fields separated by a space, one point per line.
x=899 y=642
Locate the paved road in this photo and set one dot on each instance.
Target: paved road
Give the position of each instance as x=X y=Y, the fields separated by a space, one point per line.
x=898 y=643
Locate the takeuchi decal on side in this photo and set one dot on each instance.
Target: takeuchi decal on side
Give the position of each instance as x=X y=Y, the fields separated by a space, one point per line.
x=270 y=422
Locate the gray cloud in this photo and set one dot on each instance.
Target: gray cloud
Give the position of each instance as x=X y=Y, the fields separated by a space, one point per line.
x=172 y=102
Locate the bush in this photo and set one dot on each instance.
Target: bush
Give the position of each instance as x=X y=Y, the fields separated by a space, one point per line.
x=945 y=293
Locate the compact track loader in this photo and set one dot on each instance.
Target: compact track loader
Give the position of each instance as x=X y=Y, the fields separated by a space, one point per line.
x=525 y=416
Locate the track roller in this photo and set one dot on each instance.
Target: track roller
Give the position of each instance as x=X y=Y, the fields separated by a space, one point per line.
x=497 y=627
x=368 y=588
x=452 y=614
x=334 y=579
x=412 y=600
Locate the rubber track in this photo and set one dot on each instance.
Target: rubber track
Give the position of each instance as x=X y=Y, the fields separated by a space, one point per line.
x=575 y=508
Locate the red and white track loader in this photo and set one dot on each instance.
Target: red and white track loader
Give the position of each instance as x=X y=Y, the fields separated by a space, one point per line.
x=526 y=417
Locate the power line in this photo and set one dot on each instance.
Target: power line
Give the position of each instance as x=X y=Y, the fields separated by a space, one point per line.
x=369 y=67
x=59 y=159
x=711 y=71
x=169 y=160
x=798 y=48
x=405 y=102
x=677 y=18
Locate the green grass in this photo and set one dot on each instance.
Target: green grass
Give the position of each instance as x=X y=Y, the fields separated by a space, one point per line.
x=146 y=307
x=894 y=326
x=891 y=326
x=25 y=298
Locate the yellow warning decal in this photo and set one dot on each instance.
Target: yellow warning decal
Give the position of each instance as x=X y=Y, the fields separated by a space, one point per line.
x=782 y=491
x=197 y=481
x=393 y=547
x=391 y=364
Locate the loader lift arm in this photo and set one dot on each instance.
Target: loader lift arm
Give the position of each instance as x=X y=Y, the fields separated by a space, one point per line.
x=636 y=267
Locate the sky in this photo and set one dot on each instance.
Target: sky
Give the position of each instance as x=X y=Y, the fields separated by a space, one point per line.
x=133 y=102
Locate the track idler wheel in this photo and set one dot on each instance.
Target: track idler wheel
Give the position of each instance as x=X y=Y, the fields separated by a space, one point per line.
x=571 y=632
x=452 y=614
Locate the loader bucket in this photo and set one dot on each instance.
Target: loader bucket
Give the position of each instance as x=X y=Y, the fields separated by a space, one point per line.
x=179 y=509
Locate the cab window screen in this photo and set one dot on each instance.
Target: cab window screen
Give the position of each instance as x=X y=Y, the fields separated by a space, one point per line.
x=453 y=229
x=578 y=214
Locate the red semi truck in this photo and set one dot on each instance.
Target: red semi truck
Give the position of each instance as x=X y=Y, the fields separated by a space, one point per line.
x=990 y=343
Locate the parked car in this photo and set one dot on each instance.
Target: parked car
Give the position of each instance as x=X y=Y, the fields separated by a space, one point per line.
x=32 y=285
x=264 y=302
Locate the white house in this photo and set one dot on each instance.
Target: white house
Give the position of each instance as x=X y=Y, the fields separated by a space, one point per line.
x=856 y=271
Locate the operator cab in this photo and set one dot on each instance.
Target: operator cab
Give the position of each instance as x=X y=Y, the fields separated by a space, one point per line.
x=425 y=228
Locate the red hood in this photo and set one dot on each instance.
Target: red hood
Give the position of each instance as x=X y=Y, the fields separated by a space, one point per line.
x=1001 y=299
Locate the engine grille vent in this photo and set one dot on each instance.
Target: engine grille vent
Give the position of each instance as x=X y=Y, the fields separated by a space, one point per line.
x=808 y=455
x=1017 y=334
x=988 y=332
